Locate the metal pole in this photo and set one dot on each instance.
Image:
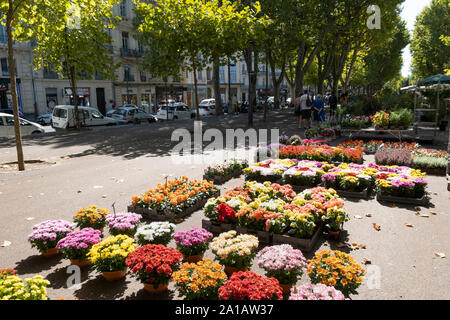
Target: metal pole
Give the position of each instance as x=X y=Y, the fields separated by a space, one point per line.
x=229 y=85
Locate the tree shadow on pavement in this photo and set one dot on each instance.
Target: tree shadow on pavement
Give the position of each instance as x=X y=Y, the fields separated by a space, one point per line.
x=36 y=264
x=58 y=278
x=99 y=288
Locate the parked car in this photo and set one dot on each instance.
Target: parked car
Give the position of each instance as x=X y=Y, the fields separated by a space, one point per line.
x=26 y=127
x=174 y=111
x=110 y=112
x=64 y=117
x=131 y=114
x=45 y=119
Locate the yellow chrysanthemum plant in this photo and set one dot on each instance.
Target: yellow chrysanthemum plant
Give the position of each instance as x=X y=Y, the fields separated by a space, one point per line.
x=110 y=254
x=337 y=269
x=91 y=217
x=199 y=281
x=14 y=288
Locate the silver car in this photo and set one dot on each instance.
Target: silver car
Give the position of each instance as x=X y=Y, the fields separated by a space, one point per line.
x=132 y=115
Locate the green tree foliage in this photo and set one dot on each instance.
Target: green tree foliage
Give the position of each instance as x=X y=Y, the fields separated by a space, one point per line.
x=430 y=46
x=74 y=41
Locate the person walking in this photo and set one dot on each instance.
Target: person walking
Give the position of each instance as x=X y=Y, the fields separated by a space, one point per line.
x=318 y=110
x=305 y=109
x=333 y=101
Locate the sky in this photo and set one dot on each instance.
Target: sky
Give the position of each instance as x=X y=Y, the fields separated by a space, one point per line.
x=411 y=9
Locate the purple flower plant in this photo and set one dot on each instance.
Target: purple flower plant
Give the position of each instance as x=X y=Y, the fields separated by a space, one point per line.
x=123 y=222
x=282 y=257
x=315 y=292
x=80 y=239
x=193 y=241
x=46 y=234
x=329 y=177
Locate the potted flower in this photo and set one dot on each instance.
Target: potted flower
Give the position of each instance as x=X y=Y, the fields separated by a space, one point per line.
x=109 y=256
x=91 y=217
x=153 y=265
x=123 y=223
x=7 y=272
x=334 y=217
x=380 y=120
x=233 y=251
x=76 y=245
x=248 y=285
x=337 y=269
x=154 y=233
x=318 y=291
x=199 y=281
x=283 y=263
x=192 y=243
x=45 y=235
x=14 y=288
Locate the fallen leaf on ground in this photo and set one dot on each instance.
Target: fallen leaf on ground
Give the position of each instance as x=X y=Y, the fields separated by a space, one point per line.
x=98 y=187
x=417 y=213
x=178 y=220
x=366 y=261
x=418 y=208
x=409 y=225
x=368 y=215
x=30 y=196
x=433 y=213
x=358 y=217
x=30 y=218
x=376 y=227
x=393 y=205
x=423 y=215
x=6 y=243
x=104 y=196
x=439 y=254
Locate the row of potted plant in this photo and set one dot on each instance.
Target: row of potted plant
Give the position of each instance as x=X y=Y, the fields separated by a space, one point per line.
x=372 y=146
x=277 y=209
x=12 y=287
x=321 y=153
x=434 y=162
x=221 y=173
x=356 y=122
x=175 y=196
x=401 y=182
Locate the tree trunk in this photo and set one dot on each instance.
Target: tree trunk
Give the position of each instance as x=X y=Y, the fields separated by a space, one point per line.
x=73 y=84
x=266 y=111
x=217 y=97
x=15 y=102
x=196 y=92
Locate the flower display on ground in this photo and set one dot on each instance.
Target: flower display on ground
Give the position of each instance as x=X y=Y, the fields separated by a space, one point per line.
x=337 y=269
x=46 y=234
x=322 y=153
x=14 y=288
x=235 y=250
x=248 y=285
x=154 y=263
x=315 y=292
x=350 y=177
x=192 y=242
x=155 y=233
x=110 y=254
x=175 y=195
x=199 y=281
x=92 y=216
x=400 y=181
x=282 y=262
x=268 y=170
x=226 y=168
x=306 y=173
x=77 y=244
x=123 y=223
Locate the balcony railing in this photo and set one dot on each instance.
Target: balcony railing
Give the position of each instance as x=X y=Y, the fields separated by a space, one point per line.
x=124 y=52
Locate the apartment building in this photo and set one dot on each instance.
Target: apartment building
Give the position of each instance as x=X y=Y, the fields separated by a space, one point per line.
x=40 y=90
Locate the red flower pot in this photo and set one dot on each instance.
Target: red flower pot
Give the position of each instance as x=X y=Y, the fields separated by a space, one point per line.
x=50 y=252
x=334 y=234
x=286 y=288
x=193 y=259
x=115 y=275
x=80 y=263
x=230 y=270
x=160 y=288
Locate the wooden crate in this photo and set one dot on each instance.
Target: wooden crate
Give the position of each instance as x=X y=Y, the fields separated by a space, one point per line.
x=303 y=244
x=404 y=200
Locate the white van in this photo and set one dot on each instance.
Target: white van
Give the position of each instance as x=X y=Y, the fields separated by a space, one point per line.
x=64 y=117
x=26 y=127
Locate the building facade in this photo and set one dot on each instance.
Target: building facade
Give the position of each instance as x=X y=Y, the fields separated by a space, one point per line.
x=40 y=90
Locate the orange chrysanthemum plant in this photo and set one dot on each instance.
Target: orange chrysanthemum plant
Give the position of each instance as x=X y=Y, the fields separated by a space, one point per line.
x=337 y=269
x=199 y=281
x=91 y=217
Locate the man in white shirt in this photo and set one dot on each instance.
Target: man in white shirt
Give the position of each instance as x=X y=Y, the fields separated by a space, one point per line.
x=305 y=109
